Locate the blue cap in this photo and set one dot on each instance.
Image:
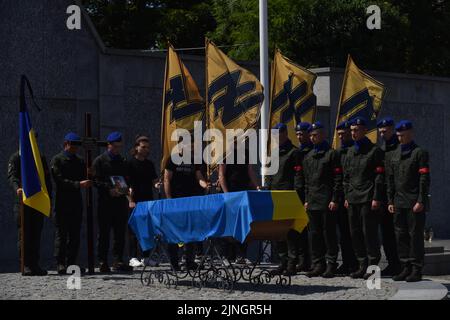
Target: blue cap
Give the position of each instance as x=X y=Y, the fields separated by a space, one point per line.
x=72 y=137
x=280 y=126
x=358 y=121
x=385 y=122
x=302 y=126
x=316 y=125
x=344 y=125
x=114 y=137
x=404 y=125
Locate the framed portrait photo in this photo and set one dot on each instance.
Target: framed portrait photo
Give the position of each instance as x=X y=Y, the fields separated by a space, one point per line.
x=120 y=184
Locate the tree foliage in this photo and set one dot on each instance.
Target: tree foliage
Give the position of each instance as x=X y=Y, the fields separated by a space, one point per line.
x=413 y=36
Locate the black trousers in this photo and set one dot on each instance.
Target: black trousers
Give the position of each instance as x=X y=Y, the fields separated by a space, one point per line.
x=288 y=251
x=33 y=223
x=134 y=249
x=112 y=216
x=173 y=250
x=388 y=236
x=345 y=239
x=304 y=248
x=67 y=236
x=232 y=249
x=364 y=230
x=322 y=230
x=409 y=228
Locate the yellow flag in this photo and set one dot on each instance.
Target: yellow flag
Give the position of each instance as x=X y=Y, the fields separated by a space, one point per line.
x=234 y=97
x=292 y=96
x=182 y=103
x=361 y=95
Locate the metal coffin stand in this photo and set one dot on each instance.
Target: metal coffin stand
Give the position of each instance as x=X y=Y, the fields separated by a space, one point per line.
x=214 y=270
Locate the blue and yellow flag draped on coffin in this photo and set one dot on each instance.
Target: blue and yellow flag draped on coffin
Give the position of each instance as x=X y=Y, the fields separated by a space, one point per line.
x=291 y=93
x=182 y=103
x=234 y=94
x=35 y=194
x=361 y=95
x=193 y=219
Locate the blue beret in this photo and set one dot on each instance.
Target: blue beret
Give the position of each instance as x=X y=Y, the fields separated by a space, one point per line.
x=404 y=125
x=72 y=137
x=343 y=125
x=359 y=121
x=385 y=122
x=114 y=137
x=316 y=125
x=280 y=126
x=302 y=126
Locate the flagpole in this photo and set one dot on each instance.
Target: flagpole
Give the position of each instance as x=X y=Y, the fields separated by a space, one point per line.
x=338 y=111
x=264 y=78
x=22 y=235
x=207 y=124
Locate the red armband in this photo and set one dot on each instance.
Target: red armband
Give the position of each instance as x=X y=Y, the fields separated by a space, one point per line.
x=338 y=170
x=298 y=168
x=379 y=169
x=424 y=170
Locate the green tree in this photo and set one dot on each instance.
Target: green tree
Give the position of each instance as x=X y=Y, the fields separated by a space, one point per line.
x=413 y=36
x=147 y=24
x=315 y=33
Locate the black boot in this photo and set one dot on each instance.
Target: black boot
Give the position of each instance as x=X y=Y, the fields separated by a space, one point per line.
x=344 y=270
x=302 y=266
x=191 y=265
x=360 y=273
x=403 y=275
x=291 y=269
x=61 y=269
x=331 y=270
x=391 y=270
x=104 y=268
x=27 y=271
x=317 y=270
x=415 y=276
x=38 y=271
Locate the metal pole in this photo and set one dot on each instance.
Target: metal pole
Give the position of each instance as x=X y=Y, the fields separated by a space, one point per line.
x=264 y=77
x=22 y=235
x=89 y=196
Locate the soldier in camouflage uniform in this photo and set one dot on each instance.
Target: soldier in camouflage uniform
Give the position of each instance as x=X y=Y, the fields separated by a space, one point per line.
x=323 y=185
x=408 y=188
x=33 y=219
x=386 y=129
x=69 y=174
x=349 y=262
x=363 y=183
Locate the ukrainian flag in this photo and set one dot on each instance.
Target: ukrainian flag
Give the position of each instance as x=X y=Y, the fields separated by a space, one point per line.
x=361 y=95
x=292 y=96
x=35 y=194
x=182 y=103
x=234 y=95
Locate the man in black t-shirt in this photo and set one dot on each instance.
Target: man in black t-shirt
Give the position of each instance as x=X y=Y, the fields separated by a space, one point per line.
x=183 y=180
x=237 y=177
x=142 y=177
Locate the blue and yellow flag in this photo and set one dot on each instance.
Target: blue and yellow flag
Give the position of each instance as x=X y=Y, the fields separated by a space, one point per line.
x=292 y=96
x=235 y=96
x=182 y=103
x=35 y=194
x=361 y=95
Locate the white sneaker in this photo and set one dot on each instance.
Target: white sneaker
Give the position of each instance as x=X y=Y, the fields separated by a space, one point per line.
x=135 y=263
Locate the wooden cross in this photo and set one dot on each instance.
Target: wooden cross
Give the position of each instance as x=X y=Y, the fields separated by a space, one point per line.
x=89 y=143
